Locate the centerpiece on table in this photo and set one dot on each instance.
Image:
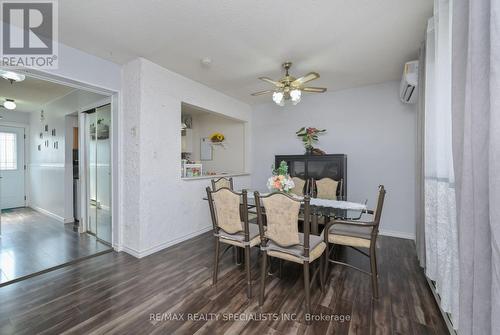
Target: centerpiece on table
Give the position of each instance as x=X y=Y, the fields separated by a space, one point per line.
x=280 y=180
x=309 y=136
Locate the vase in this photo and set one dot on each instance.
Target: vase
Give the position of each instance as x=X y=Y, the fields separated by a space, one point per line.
x=309 y=150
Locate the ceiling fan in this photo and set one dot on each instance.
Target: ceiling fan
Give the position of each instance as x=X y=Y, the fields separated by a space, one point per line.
x=289 y=87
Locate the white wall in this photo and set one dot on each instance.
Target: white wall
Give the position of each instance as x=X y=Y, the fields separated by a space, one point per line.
x=370 y=125
x=160 y=209
x=231 y=157
x=14 y=116
x=50 y=177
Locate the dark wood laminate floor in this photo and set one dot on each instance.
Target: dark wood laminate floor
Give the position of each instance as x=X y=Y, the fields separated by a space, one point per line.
x=31 y=242
x=116 y=294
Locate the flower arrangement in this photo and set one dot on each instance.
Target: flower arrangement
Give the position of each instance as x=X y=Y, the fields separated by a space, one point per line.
x=217 y=137
x=309 y=136
x=280 y=180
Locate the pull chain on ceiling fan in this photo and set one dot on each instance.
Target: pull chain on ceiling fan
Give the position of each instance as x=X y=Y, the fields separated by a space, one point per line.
x=290 y=88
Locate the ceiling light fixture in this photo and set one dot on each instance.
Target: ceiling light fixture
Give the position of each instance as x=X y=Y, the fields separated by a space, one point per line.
x=9 y=104
x=295 y=95
x=279 y=98
x=206 y=62
x=12 y=76
x=290 y=88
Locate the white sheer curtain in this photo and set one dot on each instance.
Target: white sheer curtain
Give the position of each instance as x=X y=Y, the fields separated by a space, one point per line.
x=441 y=239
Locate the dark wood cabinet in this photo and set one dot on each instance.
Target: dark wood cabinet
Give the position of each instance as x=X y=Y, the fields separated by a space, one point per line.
x=316 y=167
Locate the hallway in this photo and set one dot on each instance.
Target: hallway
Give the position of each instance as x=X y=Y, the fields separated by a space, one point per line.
x=31 y=242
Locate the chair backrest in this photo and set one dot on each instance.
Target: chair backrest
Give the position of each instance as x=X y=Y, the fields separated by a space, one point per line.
x=377 y=212
x=222 y=182
x=301 y=186
x=326 y=188
x=229 y=211
x=282 y=216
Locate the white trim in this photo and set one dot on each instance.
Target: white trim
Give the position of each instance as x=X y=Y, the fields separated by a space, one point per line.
x=48 y=165
x=161 y=246
x=397 y=234
x=48 y=213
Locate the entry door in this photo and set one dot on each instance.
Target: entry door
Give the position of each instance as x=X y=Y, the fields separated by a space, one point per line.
x=12 y=167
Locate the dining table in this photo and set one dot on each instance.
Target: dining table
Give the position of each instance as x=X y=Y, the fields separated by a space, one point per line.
x=341 y=208
x=328 y=209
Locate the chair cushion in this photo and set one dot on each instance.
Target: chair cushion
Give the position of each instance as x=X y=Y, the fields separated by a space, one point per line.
x=350 y=230
x=223 y=182
x=296 y=253
x=282 y=218
x=227 y=210
x=299 y=186
x=355 y=236
x=238 y=239
x=326 y=188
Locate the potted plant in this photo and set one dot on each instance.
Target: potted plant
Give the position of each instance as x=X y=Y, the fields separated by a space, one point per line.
x=309 y=136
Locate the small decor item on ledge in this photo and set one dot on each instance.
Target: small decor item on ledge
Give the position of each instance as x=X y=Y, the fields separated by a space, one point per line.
x=309 y=136
x=317 y=152
x=280 y=180
x=217 y=137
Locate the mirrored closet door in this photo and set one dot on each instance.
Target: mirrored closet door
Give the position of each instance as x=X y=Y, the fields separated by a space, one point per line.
x=98 y=139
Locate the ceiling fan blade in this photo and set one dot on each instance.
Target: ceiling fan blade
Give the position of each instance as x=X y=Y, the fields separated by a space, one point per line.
x=262 y=92
x=308 y=77
x=314 y=89
x=270 y=81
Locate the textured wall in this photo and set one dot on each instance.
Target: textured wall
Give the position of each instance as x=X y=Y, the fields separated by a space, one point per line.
x=160 y=209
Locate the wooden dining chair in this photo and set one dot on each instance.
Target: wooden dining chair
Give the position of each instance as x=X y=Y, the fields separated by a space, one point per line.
x=222 y=182
x=231 y=227
x=327 y=188
x=301 y=186
x=282 y=239
x=357 y=234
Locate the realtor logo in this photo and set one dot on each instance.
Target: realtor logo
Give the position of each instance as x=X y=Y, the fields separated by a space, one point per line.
x=29 y=34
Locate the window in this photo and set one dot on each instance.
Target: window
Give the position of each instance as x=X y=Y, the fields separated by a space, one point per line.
x=8 y=151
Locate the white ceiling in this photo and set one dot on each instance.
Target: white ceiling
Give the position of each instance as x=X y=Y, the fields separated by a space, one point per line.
x=31 y=93
x=350 y=43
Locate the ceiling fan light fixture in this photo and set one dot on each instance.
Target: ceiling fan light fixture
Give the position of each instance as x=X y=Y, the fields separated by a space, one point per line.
x=279 y=98
x=12 y=76
x=295 y=95
x=9 y=104
x=289 y=89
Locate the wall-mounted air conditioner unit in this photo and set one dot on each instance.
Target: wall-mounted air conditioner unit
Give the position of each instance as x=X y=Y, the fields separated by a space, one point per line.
x=408 y=89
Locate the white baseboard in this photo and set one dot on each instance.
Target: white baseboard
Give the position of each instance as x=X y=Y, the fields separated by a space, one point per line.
x=161 y=246
x=48 y=213
x=398 y=234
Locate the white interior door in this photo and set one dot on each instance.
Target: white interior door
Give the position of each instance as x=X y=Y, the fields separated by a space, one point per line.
x=12 y=168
